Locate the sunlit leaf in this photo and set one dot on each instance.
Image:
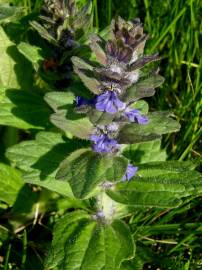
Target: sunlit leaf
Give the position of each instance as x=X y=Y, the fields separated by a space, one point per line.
x=10 y=183
x=79 y=127
x=160 y=184
x=86 y=170
x=159 y=123
x=80 y=240
x=39 y=159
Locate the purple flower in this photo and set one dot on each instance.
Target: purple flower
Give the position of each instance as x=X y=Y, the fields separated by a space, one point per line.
x=109 y=102
x=135 y=116
x=82 y=101
x=103 y=144
x=130 y=172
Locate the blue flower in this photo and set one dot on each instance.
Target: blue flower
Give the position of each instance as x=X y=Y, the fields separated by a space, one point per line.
x=135 y=116
x=130 y=172
x=103 y=144
x=109 y=102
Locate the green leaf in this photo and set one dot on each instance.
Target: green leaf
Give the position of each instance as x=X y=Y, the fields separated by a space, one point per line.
x=40 y=159
x=43 y=32
x=82 y=241
x=13 y=65
x=65 y=116
x=117 y=169
x=100 y=118
x=144 y=88
x=161 y=184
x=145 y=152
x=22 y=109
x=31 y=52
x=143 y=255
x=10 y=184
x=59 y=100
x=84 y=70
x=8 y=13
x=89 y=80
x=85 y=170
x=159 y=123
x=141 y=105
x=78 y=126
x=79 y=63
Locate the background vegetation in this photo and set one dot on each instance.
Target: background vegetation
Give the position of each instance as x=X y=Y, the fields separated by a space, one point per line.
x=175 y=29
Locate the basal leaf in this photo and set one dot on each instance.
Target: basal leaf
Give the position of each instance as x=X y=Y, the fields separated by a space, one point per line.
x=159 y=123
x=40 y=159
x=161 y=184
x=81 y=241
x=22 y=109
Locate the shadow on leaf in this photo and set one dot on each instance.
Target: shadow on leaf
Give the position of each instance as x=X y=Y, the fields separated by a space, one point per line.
x=29 y=107
x=51 y=160
x=22 y=68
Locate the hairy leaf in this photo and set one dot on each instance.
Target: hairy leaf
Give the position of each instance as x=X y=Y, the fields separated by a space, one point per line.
x=86 y=170
x=144 y=88
x=100 y=118
x=81 y=241
x=140 y=105
x=59 y=100
x=40 y=158
x=141 y=62
x=159 y=123
x=159 y=184
x=97 y=45
x=145 y=152
x=79 y=63
x=77 y=126
x=89 y=80
x=117 y=169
